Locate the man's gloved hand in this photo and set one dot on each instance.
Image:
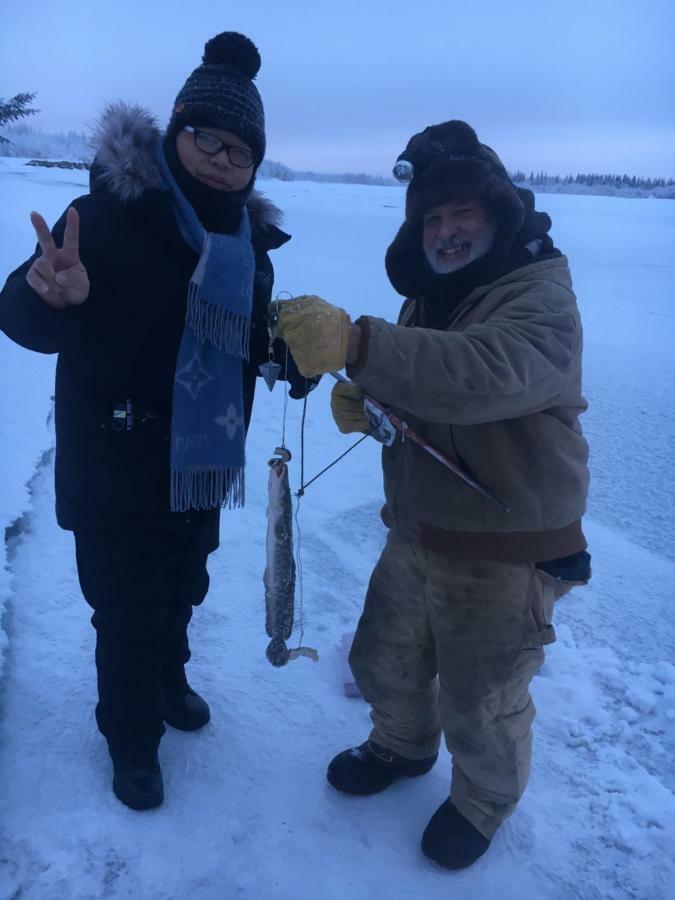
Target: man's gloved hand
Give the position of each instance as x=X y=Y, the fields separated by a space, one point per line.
x=316 y=332
x=346 y=403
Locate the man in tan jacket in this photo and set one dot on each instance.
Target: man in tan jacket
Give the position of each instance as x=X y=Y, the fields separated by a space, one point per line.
x=485 y=364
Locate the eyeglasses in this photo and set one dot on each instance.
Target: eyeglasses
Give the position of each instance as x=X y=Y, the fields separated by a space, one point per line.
x=211 y=145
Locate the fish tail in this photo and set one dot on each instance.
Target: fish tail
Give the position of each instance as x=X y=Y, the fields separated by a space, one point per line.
x=303 y=651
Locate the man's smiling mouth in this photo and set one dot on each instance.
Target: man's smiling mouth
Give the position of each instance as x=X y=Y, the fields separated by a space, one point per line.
x=454 y=251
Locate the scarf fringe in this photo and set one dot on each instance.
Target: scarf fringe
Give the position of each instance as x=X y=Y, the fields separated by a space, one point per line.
x=228 y=331
x=207 y=489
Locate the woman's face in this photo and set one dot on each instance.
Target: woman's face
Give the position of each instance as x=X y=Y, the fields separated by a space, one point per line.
x=215 y=170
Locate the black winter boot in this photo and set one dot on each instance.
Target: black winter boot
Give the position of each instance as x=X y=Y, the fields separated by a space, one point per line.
x=185 y=709
x=451 y=841
x=370 y=768
x=137 y=779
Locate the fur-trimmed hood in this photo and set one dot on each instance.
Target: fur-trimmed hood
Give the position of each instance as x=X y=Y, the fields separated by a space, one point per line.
x=406 y=264
x=448 y=162
x=124 y=139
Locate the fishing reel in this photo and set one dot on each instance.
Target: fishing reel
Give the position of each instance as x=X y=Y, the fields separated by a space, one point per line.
x=381 y=427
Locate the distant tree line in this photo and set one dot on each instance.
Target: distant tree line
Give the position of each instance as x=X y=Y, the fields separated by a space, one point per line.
x=271 y=169
x=539 y=179
x=75 y=148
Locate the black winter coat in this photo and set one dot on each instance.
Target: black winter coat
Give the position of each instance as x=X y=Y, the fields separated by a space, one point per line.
x=122 y=343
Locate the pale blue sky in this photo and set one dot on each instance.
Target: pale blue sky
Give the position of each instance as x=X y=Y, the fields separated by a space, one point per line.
x=580 y=86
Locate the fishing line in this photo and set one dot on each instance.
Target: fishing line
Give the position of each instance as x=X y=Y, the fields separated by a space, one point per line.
x=298 y=543
x=283 y=420
x=298 y=494
x=302 y=441
x=298 y=568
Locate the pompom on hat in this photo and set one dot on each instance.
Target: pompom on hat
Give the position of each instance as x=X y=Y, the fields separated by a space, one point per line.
x=220 y=93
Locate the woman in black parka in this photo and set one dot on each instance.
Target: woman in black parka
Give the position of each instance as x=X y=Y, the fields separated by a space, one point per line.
x=153 y=290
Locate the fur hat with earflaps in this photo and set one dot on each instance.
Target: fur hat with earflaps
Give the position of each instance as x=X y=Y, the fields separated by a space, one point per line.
x=220 y=92
x=446 y=163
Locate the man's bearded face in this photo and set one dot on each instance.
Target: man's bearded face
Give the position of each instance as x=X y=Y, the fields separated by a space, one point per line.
x=456 y=234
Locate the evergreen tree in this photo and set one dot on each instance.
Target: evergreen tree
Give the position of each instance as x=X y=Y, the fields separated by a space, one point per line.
x=15 y=108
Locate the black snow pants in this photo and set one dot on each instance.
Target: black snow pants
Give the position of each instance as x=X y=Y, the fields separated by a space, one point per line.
x=142 y=588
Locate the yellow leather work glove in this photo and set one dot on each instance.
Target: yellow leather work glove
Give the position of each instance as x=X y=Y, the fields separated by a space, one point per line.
x=346 y=404
x=316 y=333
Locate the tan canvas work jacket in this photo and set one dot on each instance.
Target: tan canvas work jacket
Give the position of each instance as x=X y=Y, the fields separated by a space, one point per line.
x=497 y=391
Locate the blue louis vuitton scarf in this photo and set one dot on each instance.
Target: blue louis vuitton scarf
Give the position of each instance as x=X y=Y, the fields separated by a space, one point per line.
x=207 y=423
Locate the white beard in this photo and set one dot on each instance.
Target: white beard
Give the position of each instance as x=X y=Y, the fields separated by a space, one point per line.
x=444 y=265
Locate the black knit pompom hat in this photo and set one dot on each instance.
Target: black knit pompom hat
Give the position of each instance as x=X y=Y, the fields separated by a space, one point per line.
x=220 y=92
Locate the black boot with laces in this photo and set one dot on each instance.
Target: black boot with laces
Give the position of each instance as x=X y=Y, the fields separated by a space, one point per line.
x=370 y=768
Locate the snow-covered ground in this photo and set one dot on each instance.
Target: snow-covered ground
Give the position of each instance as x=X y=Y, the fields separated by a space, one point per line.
x=248 y=812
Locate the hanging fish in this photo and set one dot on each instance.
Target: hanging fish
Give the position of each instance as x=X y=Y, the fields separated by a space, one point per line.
x=279 y=578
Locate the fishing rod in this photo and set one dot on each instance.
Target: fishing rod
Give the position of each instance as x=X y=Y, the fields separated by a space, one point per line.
x=386 y=424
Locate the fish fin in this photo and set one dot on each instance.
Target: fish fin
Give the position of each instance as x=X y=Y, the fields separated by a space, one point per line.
x=303 y=651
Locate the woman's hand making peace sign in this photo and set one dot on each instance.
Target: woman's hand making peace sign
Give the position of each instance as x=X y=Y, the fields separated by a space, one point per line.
x=58 y=276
